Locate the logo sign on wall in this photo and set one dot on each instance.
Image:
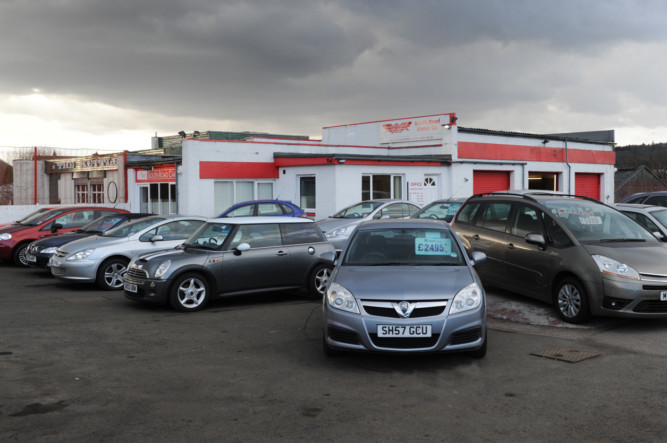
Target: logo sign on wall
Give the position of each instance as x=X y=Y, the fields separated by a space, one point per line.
x=159 y=174
x=413 y=129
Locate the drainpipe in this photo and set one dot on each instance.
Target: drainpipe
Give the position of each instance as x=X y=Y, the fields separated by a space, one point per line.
x=35 y=173
x=125 y=174
x=569 y=171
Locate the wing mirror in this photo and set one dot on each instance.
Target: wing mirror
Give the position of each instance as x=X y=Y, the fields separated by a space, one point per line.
x=241 y=248
x=477 y=257
x=55 y=227
x=536 y=239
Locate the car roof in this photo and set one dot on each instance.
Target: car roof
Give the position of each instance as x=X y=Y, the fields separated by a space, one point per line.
x=535 y=195
x=639 y=207
x=258 y=220
x=387 y=223
x=262 y=201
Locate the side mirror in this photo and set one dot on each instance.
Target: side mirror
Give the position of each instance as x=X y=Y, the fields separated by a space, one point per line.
x=55 y=227
x=243 y=247
x=659 y=235
x=477 y=257
x=157 y=237
x=536 y=239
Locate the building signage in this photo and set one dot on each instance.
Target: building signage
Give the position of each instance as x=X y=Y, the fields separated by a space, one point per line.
x=95 y=163
x=414 y=129
x=159 y=174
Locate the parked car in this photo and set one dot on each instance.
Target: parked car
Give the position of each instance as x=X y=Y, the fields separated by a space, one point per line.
x=583 y=256
x=338 y=227
x=444 y=209
x=40 y=251
x=264 y=208
x=38 y=211
x=15 y=238
x=653 y=218
x=657 y=198
x=234 y=256
x=405 y=286
x=103 y=258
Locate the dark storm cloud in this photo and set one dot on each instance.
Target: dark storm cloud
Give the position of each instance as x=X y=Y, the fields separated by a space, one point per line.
x=337 y=61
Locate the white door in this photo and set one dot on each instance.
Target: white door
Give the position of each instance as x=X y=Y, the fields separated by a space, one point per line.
x=431 y=188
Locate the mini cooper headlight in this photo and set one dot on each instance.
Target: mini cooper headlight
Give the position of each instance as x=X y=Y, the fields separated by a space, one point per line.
x=612 y=267
x=5 y=236
x=162 y=269
x=340 y=298
x=466 y=299
x=80 y=255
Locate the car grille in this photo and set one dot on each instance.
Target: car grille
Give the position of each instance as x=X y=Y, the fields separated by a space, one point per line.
x=466 y=336
x=57 y=271
x=343 y=336
x=60 y=253
x=137 y=273
x=651 y=306
x=404 y=343
x=385 y=308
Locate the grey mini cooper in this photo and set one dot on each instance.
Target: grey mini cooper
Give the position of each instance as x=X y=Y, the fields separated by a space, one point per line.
x=232 y=256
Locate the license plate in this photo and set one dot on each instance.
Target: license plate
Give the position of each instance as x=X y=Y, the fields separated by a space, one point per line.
x=404 y=330
x=129 y=287
x=30 y=258
x=663 y=295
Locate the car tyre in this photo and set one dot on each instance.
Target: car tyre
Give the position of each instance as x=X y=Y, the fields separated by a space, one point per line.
x=189 y=293
x=317 y=282
x=19 y=254
x=110 y=274
x=571 y=301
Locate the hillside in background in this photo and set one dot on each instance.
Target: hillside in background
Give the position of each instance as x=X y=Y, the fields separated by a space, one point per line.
x=653 y=156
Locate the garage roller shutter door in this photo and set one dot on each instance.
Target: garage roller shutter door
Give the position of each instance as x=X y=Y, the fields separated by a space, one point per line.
x=490 y=181
x=587 y=185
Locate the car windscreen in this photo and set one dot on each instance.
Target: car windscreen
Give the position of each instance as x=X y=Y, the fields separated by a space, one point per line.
x=440 y=211
x=103 y=224
x=209 y=236
x=359 y=210
x=403 y=247
x=128 y=229
x=591 y=222
x=661 y=216
x=40 y=217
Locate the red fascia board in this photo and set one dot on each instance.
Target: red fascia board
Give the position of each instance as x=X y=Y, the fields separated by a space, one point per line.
x=451 y=114
x=320 y=145
x=490 y=151
x=237 y=170
x=301 y=161
x=314 y=161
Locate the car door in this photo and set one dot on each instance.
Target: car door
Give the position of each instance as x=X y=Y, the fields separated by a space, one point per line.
x=305 y=243
x=172 y=234
x=265 y=265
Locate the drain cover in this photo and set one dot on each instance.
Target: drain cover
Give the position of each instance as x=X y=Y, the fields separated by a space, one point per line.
x=564 y=354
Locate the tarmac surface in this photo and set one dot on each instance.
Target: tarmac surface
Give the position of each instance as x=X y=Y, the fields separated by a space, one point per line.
x=80 y=364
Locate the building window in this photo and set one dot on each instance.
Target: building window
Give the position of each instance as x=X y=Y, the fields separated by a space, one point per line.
x=96 y=192
x=158 y=198
x=547 y=181
x=229 y=192
x=375 y=186
x=81 y=191
x=307 y=193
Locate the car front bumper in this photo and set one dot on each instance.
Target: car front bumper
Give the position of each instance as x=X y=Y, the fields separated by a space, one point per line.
x=147 y=290
x=631 y=298
x=74 y=270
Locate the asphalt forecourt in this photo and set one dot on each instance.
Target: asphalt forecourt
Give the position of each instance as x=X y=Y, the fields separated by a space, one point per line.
x=81 y=364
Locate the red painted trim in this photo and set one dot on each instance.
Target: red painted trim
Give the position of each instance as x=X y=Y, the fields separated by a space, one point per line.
x=237 y=170
x=125 y=169
x=490 y=151
x=310 y=161
x=35 y=173
x=390 y=163
x=314 y=161
x=324 y=146
x=451 y=114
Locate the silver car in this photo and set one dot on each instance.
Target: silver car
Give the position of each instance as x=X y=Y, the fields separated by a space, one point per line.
x=103 y=259
x=405 y=286
x=339 y=226
x=653 y=218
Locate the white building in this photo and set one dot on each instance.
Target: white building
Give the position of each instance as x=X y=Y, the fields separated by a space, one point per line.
x=419 y=159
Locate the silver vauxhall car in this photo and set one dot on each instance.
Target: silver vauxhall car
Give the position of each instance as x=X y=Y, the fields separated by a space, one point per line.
x=103 y=258
x=405 y=286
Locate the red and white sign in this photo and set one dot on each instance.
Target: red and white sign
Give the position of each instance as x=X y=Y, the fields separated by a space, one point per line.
x=159 y=174
x=414 y=129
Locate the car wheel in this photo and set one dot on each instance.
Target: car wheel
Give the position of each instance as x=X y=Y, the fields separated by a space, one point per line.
x=19 y=255
x=571 y=301
x=317 y=283
x=110 y=274
x=189 y=293
x=481 y=352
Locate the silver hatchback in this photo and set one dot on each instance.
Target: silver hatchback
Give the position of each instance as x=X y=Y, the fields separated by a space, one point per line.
x=103 y=258
x=405 y=286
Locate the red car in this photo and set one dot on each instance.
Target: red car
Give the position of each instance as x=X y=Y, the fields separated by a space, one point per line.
x=15 y=238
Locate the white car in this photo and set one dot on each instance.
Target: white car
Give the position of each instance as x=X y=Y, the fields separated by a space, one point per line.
x=104 y=258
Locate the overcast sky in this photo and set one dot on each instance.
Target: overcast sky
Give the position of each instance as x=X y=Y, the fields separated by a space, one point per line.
x=109 y=74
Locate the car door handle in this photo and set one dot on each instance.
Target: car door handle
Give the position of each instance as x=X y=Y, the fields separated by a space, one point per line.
x=475 y=237
x=511 y=245
x=281 y=253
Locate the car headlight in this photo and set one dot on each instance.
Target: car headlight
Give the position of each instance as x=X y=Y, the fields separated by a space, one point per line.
x=5 y=236
x=162 y=269
x=613 y=267
x=466 y=299
x=49 y=250
x=338 y=232
x=80 y=255
x=340 y=298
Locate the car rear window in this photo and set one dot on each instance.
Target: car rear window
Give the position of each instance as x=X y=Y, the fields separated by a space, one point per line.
x=299 y=233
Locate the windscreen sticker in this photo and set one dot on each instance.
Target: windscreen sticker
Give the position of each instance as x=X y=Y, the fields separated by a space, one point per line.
x=432 y=234
x=433 y=246
x=591 y=220
x=452 y=210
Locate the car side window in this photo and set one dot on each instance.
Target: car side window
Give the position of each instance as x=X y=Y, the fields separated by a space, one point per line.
x=644 y=221
x=656 y=200
x=495 y=216
x=556 y=237
x=75 y=219
x=468 y=212
x=525 y=221
x=257 y=236
x=243 y=211
x=391 y=211
x=268 y=209
x=286 y=209
x=177 y=230
x=300 y=233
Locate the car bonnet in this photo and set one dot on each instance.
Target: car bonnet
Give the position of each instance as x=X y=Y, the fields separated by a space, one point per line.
x=645 y=258
x=93 y=242
x=331 y=224
x=403 y=282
